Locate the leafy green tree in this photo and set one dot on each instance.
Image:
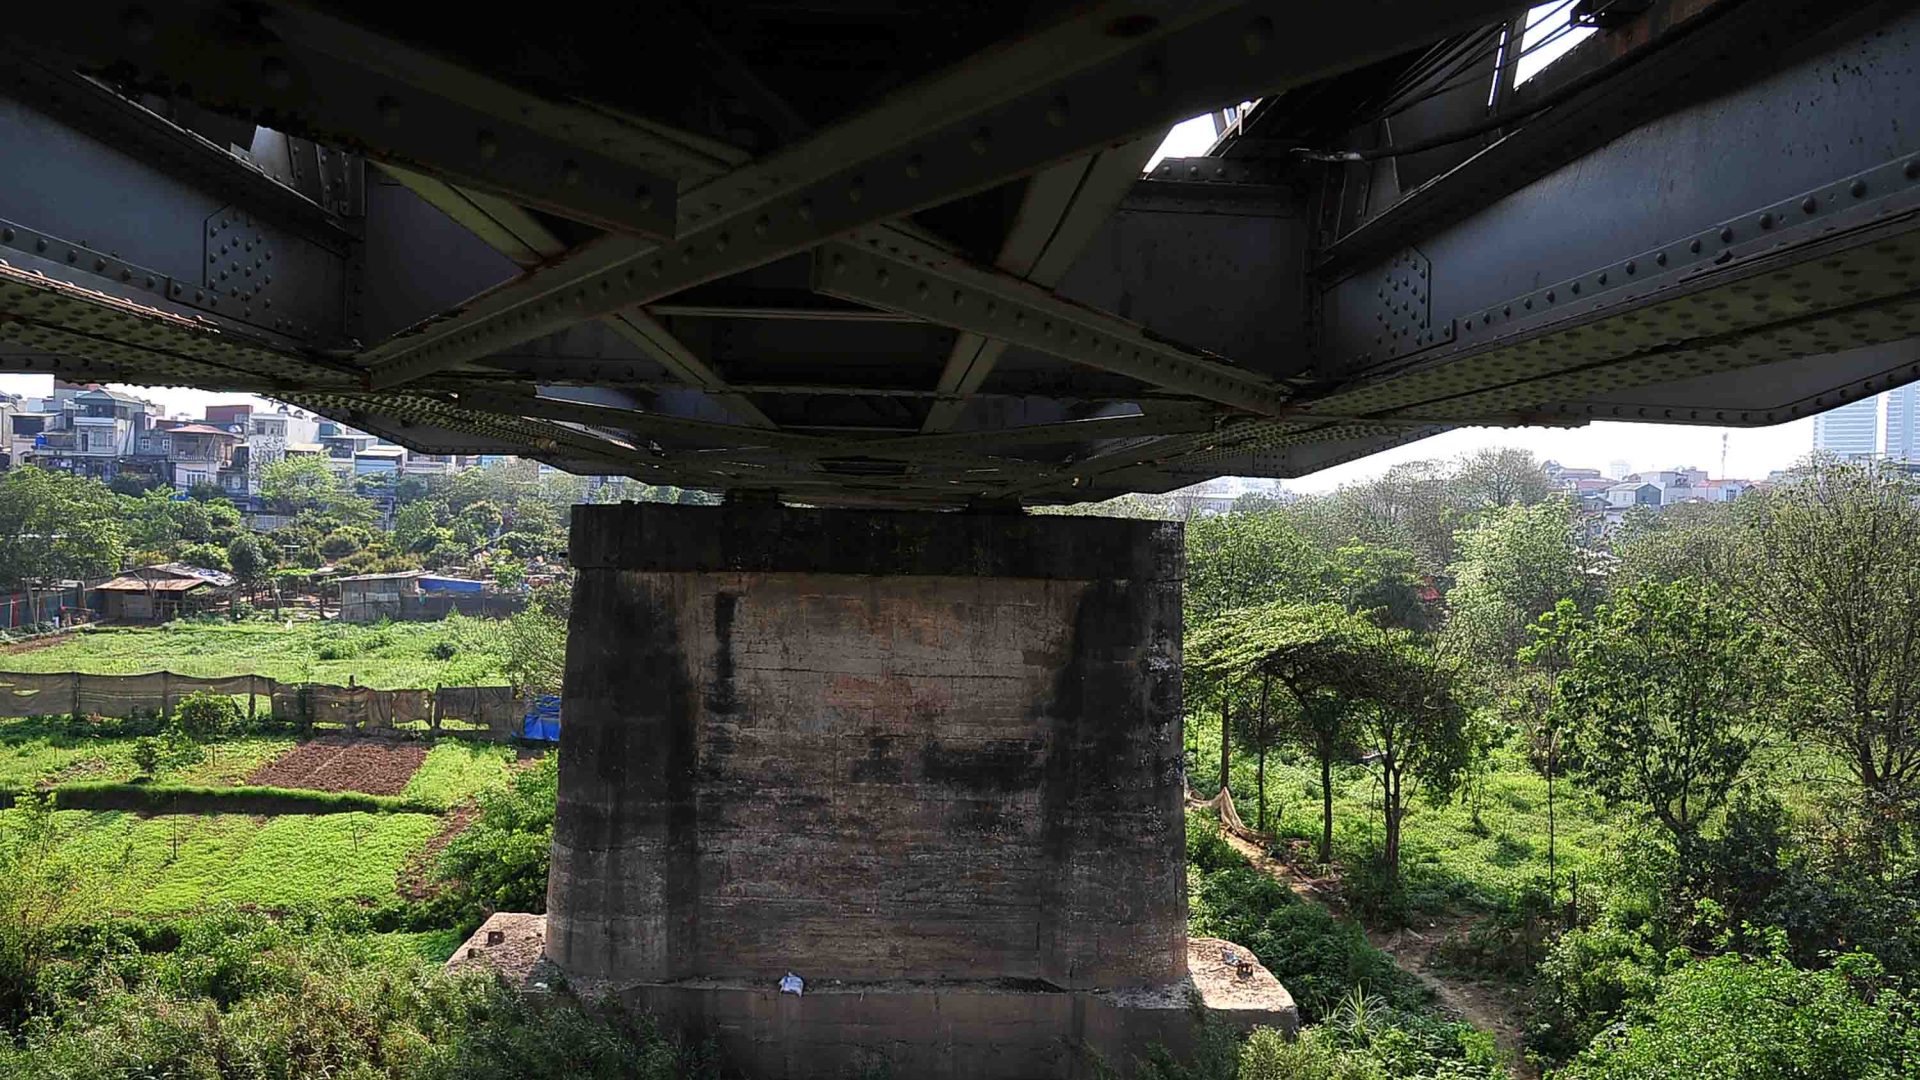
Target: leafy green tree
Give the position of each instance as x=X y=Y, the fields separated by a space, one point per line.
x=344 y=541
x=1835 y=567
x=295 y=484
x=1244 y=560
x=1499 y=477
x=248 y=560
x=1514 y=566
x=413 y=521
x=1691 y=540
x=1667 y=696
x=1764 y=1020
x=55 y=526
x=204 y=556
x=1380 y=583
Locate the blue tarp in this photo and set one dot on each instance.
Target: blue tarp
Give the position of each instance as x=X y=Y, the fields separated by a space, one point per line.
x=429 y=584
x=543 y=719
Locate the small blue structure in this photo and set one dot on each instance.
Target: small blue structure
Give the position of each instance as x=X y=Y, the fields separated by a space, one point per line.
x=431 y=584
x=543 y=719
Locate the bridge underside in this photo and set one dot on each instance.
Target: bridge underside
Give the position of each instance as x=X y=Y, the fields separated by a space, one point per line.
x=905 y=254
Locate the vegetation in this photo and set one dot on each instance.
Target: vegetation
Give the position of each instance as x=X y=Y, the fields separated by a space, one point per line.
x=500 y=862
x=1676 y=764
x=455 y=651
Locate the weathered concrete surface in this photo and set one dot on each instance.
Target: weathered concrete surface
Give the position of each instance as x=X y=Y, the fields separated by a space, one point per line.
x=923 y=1029
x=873 y=749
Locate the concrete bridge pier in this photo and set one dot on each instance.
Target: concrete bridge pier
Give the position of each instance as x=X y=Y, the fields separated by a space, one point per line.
x=928 y=763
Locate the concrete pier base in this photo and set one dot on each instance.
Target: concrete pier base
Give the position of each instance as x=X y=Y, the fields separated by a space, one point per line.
x=929 y=763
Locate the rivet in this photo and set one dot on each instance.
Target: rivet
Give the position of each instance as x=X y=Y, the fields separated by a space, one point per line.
x=1858 y=189
x=839 y=264
x=1602 y=279
x=273 y=72
x=388 y=110
x=1550 y=296
x=41 y=245
x=137 y=25
x=882 y=277
x=1057 y=112
x=643 y=197
x=959 y=298
x=1149 y=80
x=487 y=144
x=1573 y=288
x=1258 y=34
x=1661 y=258
x=922 y=290
x=1631 y=266
x=1694 y=245
x=570 y=172
x=856 y=190
x=1726 y=234
x=804 y=211
x=761 y=224
x=1766 y=221
x=982 y=141
x=720 y=242
x=913 y=167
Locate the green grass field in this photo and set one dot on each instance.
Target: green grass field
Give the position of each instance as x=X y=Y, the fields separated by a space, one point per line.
x=456 y=771
x=174 y=864
x=384 y=656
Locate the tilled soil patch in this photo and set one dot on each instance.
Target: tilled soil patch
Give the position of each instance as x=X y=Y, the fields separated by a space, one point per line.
x=340 y=763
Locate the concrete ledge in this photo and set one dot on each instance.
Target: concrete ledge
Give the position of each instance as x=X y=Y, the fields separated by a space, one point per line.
x=960 y=1030
x=782 y=539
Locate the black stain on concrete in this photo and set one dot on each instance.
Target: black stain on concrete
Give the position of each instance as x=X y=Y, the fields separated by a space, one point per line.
x=882 y=763
x=998 y=766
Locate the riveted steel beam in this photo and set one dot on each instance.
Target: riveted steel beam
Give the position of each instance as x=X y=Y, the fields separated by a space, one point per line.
x=891 y=268
x=87 y=106
x=316 y=75
x=1675 y=53
x=516 y=234
x=152 y=342
x=1059 y=213
x=1053 y=94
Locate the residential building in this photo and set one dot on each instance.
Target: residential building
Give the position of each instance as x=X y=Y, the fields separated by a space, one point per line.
x=200 y=453
x=1634 y=493
x=1903 y=423
x=271 y=437
x=379 y=460
x=1850 y=431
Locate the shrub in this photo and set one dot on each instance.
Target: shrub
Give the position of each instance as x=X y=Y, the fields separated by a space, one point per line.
x=204 y=716
x=500 y=862
x=1764 y=1020
x=1588 y=978
x=242 y=995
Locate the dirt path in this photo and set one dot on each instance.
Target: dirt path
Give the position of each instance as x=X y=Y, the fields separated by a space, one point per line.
x=1484 y=1006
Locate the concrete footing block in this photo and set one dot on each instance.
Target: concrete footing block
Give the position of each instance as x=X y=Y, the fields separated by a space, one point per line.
x=957 y=1030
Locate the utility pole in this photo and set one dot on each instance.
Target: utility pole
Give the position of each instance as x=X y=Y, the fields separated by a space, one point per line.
x=1723 y=455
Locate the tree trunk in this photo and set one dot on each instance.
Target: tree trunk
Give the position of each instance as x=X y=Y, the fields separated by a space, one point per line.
x=1326 y=803
x=1226 y=722
x=1391 y=797
x=1260 y=761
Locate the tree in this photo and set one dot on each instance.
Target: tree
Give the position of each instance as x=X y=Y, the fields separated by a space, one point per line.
x=1690 y=540
x=204 y=556
x=1244 y=560
x=248 y=560
x=1380 y=583
x=414 y=521
x=1514 y=566
x=295 y=484
x=1351 y=682
x=1499 y=477
x=1415 y=725
x=55 y=526
x=1666 y=698
x=45 y=892
x=1835 y=567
